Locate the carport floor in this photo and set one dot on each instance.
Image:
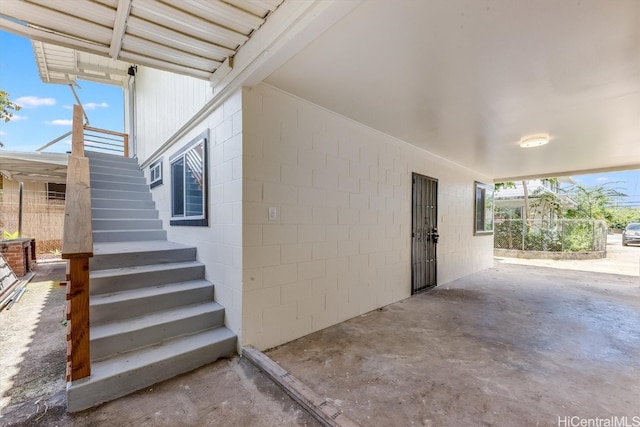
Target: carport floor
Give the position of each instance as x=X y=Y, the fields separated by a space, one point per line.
x=513 y=345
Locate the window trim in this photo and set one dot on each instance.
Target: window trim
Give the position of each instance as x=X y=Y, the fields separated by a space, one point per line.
x=155 y=165
x=56 y=195
x=200 y=220
x=482 y=196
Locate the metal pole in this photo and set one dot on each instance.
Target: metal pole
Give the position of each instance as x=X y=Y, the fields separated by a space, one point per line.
x=20 y=188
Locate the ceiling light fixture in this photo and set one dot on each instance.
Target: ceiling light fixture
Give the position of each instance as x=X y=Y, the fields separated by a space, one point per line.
x=534 y=141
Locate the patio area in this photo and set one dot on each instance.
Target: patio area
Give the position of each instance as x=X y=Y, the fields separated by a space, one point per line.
x=515 y=344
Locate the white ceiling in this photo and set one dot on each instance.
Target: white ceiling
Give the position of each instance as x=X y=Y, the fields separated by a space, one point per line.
x=467 y=79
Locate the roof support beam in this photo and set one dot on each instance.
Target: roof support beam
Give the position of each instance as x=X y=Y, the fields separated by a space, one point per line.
x=51 y=37
x=122 y=14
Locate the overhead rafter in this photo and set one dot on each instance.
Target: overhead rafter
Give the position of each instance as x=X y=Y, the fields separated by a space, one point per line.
x=186 y=37
x=122 y=14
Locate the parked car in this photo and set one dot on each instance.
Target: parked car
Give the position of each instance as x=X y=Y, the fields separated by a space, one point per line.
x=631 y=233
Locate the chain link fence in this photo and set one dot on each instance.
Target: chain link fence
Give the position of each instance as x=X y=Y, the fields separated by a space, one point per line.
x=561 y=235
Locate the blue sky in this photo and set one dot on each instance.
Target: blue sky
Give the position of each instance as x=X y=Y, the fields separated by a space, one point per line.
x=46 y=112
x=46 y=108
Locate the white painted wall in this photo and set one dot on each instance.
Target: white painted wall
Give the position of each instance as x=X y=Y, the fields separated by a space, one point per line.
x=340 y=245
x=165 y=102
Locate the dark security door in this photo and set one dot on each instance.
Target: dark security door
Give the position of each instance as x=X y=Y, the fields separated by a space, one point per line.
x=424 y=237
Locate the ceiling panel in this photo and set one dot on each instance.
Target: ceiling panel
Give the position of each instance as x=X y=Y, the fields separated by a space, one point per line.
x=191 y=37
x=62 y=65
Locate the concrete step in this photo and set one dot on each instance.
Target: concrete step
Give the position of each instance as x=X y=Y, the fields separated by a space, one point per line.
x=100 y=203
x=128 y=278
x=102 y=224
x=125 y=186
x=139 y=302
x=101 y=236
x=113 y=255
x=106 y=156
x=114 y=162
x=108 y=177
x=102 y=213
x=103 y=169
x=110 y=339
x=126 y=373
x=115 y=195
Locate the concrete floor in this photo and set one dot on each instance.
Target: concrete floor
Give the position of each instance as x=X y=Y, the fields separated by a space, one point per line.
x=513 y=345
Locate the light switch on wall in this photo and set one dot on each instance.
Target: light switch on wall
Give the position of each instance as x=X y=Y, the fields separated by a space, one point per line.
x=273 y=214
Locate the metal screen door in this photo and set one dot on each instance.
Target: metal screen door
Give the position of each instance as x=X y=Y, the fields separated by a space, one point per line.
x=424 y=236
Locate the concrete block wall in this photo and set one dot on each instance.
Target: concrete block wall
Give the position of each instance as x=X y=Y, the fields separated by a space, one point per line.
x=219 y=243
x=339 y=244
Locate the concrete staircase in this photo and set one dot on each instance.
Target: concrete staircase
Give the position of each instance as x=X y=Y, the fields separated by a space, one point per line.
x=152 y=312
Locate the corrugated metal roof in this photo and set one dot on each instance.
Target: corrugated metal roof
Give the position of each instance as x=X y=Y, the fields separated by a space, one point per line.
x=58 y=64
x=191 y=37
x=24 y=166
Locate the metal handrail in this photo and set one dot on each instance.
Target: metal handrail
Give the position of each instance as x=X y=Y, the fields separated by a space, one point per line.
x=98 y=140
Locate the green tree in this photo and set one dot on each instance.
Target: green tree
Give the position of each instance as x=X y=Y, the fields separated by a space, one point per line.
x=620 y=217
x=548 y=205
x=594 y=202
x=6 y=106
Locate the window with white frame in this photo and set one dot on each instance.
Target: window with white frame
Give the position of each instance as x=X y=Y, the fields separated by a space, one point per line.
x=155 y=173
x=189 y=183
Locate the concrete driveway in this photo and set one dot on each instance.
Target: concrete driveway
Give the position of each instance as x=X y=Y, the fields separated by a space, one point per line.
x=619 y=260
x=513 y=345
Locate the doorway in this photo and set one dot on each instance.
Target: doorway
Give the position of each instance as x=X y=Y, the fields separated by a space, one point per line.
x=424 y=233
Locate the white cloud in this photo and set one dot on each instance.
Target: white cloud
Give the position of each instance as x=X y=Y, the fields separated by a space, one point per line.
x=89 y=106
x=95 y=105
x=602 y=179
x=3 y=133
x=17 y=117
x=34 y=101
x=59 y=122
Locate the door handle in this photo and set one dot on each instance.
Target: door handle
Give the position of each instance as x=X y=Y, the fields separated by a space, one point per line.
x=434 y=235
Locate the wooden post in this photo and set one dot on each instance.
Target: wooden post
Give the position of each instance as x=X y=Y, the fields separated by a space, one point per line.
x=126 y=145
x=77 y=247
x=77 y=135
x=78 y=293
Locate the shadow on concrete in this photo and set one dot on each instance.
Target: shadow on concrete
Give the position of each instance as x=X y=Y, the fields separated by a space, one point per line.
x=33 y=358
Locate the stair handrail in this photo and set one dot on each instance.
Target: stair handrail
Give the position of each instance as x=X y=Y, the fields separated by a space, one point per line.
x=98 y=140
x=114 y=143
x=77 y=248
x=194 y=162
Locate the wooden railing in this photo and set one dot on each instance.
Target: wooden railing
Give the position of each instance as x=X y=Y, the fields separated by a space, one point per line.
x=77 y=238
x=99 y=140
x=106 y=141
